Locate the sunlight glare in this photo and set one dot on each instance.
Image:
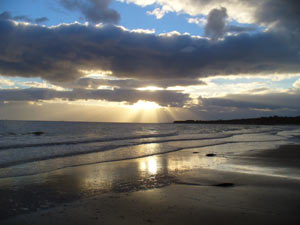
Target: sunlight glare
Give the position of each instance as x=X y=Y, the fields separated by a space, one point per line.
x=150 y=88
x=152 y=166
x=141 y=104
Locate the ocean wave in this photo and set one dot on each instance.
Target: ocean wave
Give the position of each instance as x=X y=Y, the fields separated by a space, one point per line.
x=70 y=145
x=27 y=173
x=61 y=153
x=110 y=139
x=19 y=173
x=34 y=153
x=80 y=150
x=86 y=141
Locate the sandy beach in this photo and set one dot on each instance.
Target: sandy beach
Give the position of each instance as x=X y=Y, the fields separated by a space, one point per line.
x=173 y=188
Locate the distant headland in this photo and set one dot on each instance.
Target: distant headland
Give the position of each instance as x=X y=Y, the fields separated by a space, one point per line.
x=272 y=120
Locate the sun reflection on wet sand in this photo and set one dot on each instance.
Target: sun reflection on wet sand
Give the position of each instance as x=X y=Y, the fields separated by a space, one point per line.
x=146 y=170
x=149 y=165
x=125 y=175
x=144 y=173
x=152 y=166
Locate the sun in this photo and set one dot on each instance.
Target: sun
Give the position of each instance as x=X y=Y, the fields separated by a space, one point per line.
x=146 y=105
x=145 y=111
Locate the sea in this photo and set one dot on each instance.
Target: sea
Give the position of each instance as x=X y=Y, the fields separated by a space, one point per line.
x=35 y=147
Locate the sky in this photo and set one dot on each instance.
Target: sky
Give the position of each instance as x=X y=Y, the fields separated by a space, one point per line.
x=149 y=60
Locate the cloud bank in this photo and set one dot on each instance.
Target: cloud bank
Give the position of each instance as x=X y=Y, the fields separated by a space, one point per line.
x=163 y=98
x=60 y=53
x=247 y=105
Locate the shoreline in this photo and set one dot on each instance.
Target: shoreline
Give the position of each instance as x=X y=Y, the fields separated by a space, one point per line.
x=65 y=196
x=272 y=120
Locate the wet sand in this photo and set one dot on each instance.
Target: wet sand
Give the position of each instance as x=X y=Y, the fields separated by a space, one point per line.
x=176 y=188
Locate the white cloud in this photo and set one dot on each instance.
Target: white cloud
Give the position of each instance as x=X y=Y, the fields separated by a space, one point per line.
x=271 y=77
x=160 y=12
x=145 y=31
x=198 y=21
x=221 y=86
x=34 y=84
x=6 y=82
x=242 y=11
x=297 y=84
x=220 y=90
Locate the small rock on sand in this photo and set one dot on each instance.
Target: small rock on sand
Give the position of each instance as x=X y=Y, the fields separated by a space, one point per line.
x=224 y=185
x=38 y=133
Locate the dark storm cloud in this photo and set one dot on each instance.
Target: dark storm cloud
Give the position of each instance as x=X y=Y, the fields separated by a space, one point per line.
x=7 y=16
x=247 y=105
x=269 y=101
x=22 y=18
x=239 y=29
x=163 y=98
x=95 y=11
x=61 y=53
x=41 y=20
x=232 y=103
x=216 y=23
x=283 y=14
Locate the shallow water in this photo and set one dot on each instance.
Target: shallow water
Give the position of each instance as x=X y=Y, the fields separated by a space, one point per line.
x=71 y=144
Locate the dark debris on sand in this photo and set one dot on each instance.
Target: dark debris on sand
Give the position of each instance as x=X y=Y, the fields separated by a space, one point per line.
x=38 y=133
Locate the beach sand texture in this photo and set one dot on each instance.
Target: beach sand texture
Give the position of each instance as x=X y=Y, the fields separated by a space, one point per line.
x=191 y=196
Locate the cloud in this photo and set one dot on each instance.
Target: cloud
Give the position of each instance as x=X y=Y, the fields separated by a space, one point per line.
x=281 y=14
x=95 y=11
x=34 y=84
x=297 y=84
x=199 y=21
x=41 y=20
x=269 y=13
x=7 y=16
x=22 y=18
x=60 y=53
x=163 y=97
x=216 y=23
x=259 y=101
x=92 y=83
x=239 y=10
x=248 y=105
x=6 y=82
x=159 y=12
x=239 y=29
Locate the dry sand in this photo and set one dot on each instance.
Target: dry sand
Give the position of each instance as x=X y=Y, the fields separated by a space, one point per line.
x=191 y=196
